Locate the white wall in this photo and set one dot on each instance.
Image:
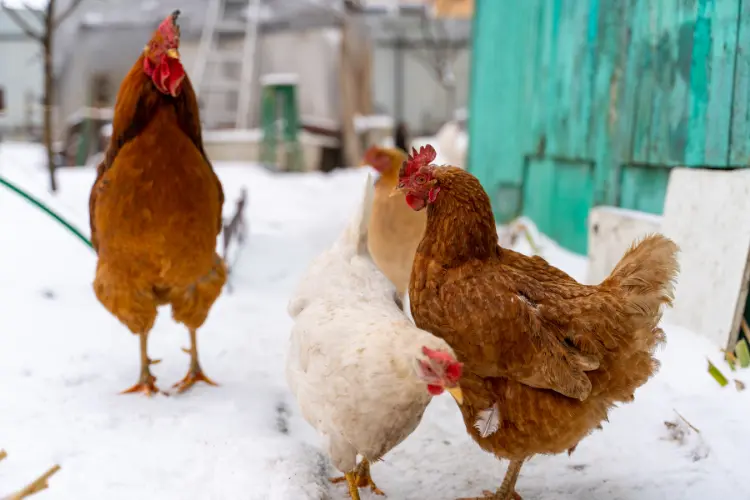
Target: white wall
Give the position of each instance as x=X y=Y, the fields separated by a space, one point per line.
x=112 y=52
x=20 y=74
x=426 y=104
x=311 y=54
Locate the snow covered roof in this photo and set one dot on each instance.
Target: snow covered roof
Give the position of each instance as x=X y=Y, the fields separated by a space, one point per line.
x=95 y=15
x=193 y=12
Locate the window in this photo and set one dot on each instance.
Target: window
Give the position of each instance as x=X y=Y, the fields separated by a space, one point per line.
x=101 y=90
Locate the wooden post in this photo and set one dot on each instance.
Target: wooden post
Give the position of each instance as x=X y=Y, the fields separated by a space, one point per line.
x=47 y=44
x=350 y=144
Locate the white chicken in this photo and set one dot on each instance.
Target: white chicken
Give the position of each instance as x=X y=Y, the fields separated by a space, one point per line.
x=361 y=372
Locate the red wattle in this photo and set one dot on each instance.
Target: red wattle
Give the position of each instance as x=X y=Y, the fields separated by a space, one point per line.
x=167 y=76
x=434 y=390
x=176 y=75
x=414 y=202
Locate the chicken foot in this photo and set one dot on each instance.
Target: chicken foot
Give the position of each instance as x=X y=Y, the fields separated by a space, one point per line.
x=507 y=490
x=146 y=382
x=195 y=373
x=361 y=479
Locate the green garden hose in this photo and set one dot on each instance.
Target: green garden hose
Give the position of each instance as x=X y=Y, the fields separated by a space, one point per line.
x=47 y=210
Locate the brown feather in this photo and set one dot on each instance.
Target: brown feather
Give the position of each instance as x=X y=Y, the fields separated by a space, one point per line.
x=155 y=209
x=554 y=354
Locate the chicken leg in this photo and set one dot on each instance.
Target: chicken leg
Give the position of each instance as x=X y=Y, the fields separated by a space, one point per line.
x=362 y=479
x=195 y=373
x=146 y=383
x=507 y=490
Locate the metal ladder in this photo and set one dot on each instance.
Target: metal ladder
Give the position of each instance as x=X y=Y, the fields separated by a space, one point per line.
x=226 y=100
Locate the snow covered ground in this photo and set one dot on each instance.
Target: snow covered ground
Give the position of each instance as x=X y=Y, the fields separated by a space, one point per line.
x=63 y=360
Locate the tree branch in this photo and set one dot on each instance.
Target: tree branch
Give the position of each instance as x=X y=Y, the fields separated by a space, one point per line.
x=36 y=486
x=21 y=23
x=35 y=11
x=66 y=13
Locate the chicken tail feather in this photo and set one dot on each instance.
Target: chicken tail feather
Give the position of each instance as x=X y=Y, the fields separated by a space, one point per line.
x=647 y=275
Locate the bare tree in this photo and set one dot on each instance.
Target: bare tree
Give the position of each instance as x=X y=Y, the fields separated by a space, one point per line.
x=49 y=21
x=440 y=55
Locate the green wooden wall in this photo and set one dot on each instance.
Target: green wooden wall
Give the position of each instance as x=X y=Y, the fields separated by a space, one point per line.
x=576 y=103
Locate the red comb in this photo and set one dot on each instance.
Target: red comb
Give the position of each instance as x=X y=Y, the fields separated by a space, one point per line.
x=416 y=160
x=453 y=371
x=438 y=355
x=453 y=368
x=169 y=29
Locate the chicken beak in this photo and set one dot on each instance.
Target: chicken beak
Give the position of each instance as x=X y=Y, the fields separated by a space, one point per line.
x=172 y=53
x=456 y=393
x=396 y=191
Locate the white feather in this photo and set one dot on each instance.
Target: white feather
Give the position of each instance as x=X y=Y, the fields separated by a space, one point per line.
x=349 y=333
x=488 y=421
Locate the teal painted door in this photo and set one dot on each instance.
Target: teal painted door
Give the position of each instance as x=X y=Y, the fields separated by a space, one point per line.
x=558 y=196
x=576 y=103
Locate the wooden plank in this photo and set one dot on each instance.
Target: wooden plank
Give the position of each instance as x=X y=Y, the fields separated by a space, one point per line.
x=495 y=150
x=719 y=112
x=538 y=109
x=578 y=70
x=661 y=44
x=558 y=196
x=609 y=89
x=533 y=73
x=561 y=92
x=712 y=81
x=550 y=98
x=591 y=48
x=644 y=78
x=538 y=193
x=573 y=199
x=626 y=89
x=739 y=139
x=643 y=188
x=700 y=74
x=672 y=130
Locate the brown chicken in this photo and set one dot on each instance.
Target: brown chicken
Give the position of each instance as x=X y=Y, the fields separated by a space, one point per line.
x=155 y=207
x=395 y=230
x=545 y=358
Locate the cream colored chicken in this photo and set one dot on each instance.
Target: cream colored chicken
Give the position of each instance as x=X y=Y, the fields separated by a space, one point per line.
x=395 y=230
x=361 y=372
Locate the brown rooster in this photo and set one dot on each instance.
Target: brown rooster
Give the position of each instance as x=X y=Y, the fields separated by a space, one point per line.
x=155 y=206
x=395 y=230
x=545 y=358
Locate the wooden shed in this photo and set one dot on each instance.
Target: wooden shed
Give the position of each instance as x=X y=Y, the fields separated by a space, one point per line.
x=577 y=103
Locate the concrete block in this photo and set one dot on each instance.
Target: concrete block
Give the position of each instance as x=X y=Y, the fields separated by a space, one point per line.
x=707 y=213
x=611 y=232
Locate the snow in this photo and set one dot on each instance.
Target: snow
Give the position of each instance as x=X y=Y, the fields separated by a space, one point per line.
x=364 y=123
x=233 y=135
x=633 y=214
x=22 y=4
x=279 y=79
x=63 y=359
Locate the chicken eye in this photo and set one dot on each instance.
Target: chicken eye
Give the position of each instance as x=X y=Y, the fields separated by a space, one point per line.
x=421 y=179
